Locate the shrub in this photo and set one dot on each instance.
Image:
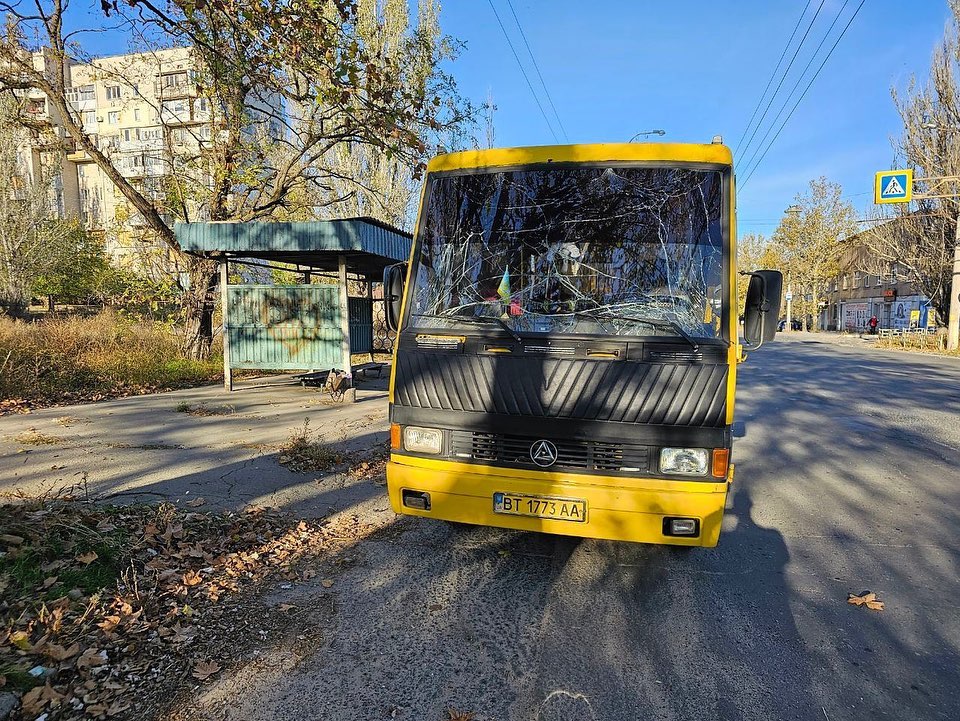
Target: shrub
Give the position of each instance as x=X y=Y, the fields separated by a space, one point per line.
x=74 y=358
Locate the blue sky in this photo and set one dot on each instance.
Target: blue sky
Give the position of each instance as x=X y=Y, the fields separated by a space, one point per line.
x=696 y=68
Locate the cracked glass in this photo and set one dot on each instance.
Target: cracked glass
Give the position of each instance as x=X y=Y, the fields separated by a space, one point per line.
x=625 y=251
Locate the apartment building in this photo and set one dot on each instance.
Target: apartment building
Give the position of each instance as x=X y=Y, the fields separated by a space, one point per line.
x=144 y=111
x=856 y=294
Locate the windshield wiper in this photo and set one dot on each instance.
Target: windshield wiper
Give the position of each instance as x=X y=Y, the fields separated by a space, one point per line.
x=481 y=319
x=655 y=322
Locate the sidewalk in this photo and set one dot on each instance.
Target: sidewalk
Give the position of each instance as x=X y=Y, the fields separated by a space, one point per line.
x=224 y=450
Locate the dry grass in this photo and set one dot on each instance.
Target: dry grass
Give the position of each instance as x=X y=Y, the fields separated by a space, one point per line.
x=923 y=342
x=202 y=409
x=33 y=437
x=62 y=360
x=303 y=452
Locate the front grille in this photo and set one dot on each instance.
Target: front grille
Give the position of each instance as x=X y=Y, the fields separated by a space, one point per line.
x=514 y=451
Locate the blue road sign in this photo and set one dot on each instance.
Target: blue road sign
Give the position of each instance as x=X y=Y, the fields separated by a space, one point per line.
x=893 y=186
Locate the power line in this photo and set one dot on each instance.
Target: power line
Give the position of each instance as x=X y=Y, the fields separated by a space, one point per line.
x=774 y=73
x=537 y=68
x=523 y=72
x=793 y=109
x=784 y=76
x=789 y=97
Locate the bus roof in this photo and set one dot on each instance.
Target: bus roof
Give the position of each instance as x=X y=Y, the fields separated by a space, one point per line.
x=594 y=153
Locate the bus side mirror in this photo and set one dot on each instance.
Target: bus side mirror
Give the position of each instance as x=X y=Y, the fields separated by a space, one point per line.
x=762 y=309
x=393 y=278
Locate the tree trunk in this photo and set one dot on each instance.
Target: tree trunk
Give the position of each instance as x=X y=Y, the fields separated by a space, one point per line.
x=51 y=304
x=199 y=303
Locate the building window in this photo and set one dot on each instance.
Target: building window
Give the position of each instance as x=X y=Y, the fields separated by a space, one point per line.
x=113 y=92
x=177 y=107
x=136 y=115
x=202 y=105
x=845 y=281
x=89 y=117
x=81 y=92
x=172 y=80
x=113 y=117
x=856 y=279
x=879 y=279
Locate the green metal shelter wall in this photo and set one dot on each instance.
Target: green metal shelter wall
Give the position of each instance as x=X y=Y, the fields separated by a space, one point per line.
x=292 y=327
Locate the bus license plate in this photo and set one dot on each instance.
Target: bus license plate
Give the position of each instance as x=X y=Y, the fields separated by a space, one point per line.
x=560 y=509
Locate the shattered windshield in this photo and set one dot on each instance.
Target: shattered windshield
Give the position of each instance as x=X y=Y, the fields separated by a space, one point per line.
x=573 y=249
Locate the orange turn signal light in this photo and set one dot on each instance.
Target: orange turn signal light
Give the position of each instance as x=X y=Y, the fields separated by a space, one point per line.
x=721 y=458
x=395 y=437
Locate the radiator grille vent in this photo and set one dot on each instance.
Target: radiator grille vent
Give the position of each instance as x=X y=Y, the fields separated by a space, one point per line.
x=514 y=451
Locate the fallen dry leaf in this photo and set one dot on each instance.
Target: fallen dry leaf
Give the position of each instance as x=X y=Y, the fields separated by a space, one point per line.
x=205 y=669
x=118 y=707
x=10 y=539
x=327 y=582
x=191 y=578
x=33 y=701
x=59 y=653
x=92 y=658
x=197 y=502
x=21 y=640
x=109 y=623
x=455 y=715
x=285 y=607
x=87 y=558
x=867 y=598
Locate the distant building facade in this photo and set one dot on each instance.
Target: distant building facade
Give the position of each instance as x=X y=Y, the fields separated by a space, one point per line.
x=145 y=112
x=855 y=296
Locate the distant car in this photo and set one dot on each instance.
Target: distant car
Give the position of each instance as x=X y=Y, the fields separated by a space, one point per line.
x=794 y=324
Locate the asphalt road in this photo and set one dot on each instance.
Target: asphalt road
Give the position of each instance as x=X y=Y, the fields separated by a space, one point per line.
x=848 y=479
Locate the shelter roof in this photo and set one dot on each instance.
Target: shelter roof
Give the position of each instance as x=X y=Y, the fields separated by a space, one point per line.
x=368 y=244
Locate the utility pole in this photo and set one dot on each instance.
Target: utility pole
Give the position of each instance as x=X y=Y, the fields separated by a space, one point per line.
x=953 y=322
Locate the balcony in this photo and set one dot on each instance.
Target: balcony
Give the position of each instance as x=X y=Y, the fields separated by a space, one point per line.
x=76 y=154
x=174 y=91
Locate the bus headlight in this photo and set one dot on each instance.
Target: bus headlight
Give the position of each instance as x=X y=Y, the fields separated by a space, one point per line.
x=422 y=440
x=684 y=461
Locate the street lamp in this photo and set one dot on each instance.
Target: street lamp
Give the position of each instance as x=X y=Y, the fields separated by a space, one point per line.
x=647 y=132
x=793 y=210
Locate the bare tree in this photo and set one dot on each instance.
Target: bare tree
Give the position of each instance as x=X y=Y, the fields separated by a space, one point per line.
x=33 y=238
x=808 y=243
x=922 y=239
x=301 y=75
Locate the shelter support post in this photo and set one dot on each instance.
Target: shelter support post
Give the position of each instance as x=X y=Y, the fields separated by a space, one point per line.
x=370 y=299
x=350 y=395
x=224 y=279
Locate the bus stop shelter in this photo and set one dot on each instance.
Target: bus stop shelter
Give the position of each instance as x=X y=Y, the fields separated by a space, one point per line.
x=308 y=326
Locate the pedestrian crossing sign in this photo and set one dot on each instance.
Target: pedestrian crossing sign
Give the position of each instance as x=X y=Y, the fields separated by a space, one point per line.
x=893 y=186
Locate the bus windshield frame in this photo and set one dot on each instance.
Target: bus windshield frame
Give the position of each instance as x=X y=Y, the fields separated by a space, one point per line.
x=528 y=250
